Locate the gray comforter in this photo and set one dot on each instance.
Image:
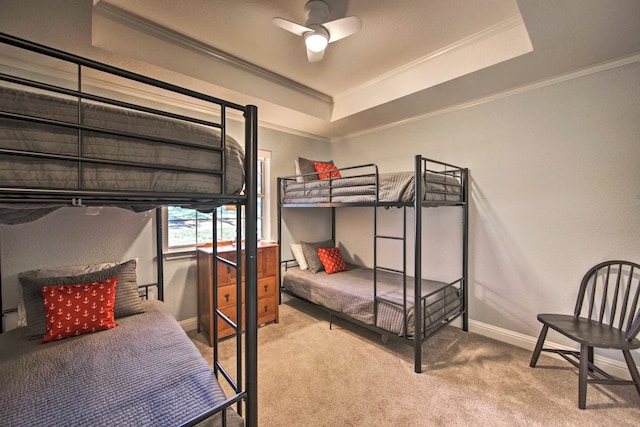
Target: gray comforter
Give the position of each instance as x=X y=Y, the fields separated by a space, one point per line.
x=144 y=372
x=351 y=293
x=148 y=164
x=391 y=187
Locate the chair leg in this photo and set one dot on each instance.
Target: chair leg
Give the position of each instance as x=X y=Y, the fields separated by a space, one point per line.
x=585 y=352
x=538 y=349
x=632 y=369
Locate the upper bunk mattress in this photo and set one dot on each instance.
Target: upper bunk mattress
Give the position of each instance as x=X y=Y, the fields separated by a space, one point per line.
x=144 y=372
x=391 y=187
x=112 y=162
x=351 y=293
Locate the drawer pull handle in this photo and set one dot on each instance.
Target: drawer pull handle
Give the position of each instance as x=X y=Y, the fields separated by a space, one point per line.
x=226 y=297
x=266 y=308
x=266 y=288
x=228 y=270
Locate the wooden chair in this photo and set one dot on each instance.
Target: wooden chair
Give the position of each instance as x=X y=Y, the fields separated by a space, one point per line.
x=606 y=315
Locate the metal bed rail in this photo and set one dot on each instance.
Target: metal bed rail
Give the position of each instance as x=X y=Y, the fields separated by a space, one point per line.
x=220 y=408
x=443 y=186
x=447 y=176
x=448 y=294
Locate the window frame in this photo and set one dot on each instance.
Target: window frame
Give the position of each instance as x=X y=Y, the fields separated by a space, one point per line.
x=264 y=157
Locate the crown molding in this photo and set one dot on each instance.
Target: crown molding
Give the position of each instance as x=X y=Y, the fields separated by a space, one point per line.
x=500 y=42
x=508 y=24
x=593 y=69
x=165 y=34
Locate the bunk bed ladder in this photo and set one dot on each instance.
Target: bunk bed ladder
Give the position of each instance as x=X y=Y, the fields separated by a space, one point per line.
x=219 y=316
x=403 y=238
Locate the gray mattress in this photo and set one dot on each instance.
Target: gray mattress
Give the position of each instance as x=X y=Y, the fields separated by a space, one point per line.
x=203 y=150
x=144 y=372
x=351 y=293
x=392 y=187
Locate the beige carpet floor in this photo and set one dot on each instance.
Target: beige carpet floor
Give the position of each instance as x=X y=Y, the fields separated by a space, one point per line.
x=309 y=375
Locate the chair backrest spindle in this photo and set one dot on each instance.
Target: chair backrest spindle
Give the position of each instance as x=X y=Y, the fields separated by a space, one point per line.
x=636 y=298
x=625 y=303
x=605 y=291
x=614 y=301
x=633 y=329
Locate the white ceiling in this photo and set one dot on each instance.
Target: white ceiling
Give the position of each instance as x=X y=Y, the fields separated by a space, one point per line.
x=411 y=58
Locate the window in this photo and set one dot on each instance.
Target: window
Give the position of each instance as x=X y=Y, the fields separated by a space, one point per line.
x=187 y=228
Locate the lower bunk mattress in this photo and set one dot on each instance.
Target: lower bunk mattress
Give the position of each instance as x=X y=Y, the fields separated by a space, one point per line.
x=144 y=372
x=351 y=293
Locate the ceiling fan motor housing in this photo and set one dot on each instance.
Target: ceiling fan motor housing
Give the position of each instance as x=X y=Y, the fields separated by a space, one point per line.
x=317 y=12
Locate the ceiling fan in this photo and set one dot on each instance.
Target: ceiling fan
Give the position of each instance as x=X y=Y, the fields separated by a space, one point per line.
x=317 y=32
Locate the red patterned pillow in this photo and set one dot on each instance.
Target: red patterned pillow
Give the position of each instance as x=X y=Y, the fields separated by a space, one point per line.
x=331 y=259
x=79 y=309
x=326 y=169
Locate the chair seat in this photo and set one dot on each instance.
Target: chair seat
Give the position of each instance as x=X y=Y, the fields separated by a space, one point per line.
x=588 y=332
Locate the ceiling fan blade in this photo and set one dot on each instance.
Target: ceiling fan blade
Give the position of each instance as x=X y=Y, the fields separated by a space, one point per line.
x=315 y=56
x=292 y=27
x=343 y=27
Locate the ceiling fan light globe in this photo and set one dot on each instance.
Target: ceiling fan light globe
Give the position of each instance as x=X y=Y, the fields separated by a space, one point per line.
x=316 y=42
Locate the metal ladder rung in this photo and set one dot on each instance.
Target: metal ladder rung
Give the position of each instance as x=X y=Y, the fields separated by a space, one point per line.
x=391 y=270
x=389 y=237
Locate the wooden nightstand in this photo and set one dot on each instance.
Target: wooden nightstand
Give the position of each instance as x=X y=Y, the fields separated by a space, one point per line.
x=267 y=257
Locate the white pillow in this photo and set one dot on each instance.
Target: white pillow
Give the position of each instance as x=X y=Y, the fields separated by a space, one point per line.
x=296 y=250
x=297 y=167
x=22 y=312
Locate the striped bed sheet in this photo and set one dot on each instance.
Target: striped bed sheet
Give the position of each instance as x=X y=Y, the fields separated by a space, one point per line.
x=351 y=293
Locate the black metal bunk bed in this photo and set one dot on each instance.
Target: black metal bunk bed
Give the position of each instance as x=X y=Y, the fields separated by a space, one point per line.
x=437 y=184
x=164 y=182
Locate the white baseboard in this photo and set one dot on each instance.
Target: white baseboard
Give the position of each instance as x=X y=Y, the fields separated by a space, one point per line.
x=189 y=324
x=613 y=367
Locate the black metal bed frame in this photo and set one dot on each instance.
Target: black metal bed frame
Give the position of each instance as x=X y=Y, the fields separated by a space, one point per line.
x=246 y=391
x=422 y=167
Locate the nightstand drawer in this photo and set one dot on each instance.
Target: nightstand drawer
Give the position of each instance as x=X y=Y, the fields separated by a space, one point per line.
x=267 y=287
x=227 y=295
x=267 y=262
x=267 y=310
x=227 y=273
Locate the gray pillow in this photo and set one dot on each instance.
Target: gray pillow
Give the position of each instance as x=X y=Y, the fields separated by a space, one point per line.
x=306 y=166
x=310 y=251
x=127 y=298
